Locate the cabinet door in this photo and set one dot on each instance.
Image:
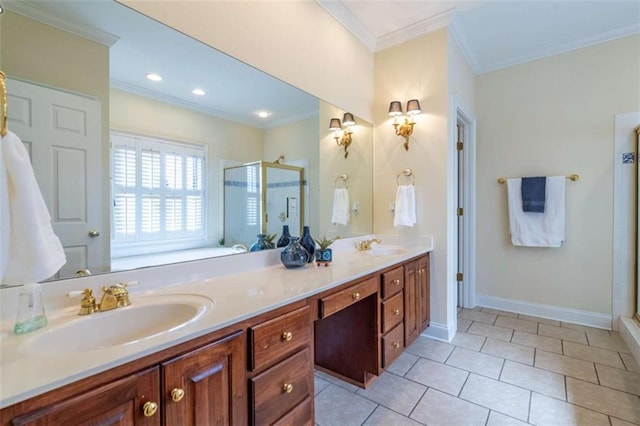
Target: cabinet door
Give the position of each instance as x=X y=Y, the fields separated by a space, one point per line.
x=205 y=386
x=411 y=303
x=423 y=284
x=117 y=403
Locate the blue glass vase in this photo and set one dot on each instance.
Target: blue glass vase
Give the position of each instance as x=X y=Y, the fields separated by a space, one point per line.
x=283 y=241
x=294 y=255
x=308 y=243
x=260 y=244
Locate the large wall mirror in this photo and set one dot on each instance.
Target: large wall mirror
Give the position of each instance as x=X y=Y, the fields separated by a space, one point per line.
x=132 y=167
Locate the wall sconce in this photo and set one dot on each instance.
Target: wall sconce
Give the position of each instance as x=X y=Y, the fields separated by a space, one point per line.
x=345 y=139
x=405 y=129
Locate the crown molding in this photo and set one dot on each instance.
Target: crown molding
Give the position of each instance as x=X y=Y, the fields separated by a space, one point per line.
x=41 y=13
x=181 y=103
x=561 y=48
x=459 y=36
x=417 y=29
x=348 y=20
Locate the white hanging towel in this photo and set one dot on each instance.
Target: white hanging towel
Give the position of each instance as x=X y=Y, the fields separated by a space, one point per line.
x=31 y=252
x=405 y=208
x=537 y=229
x=340 y=214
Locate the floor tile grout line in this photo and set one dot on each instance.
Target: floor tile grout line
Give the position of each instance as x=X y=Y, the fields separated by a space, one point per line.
x=593 y=409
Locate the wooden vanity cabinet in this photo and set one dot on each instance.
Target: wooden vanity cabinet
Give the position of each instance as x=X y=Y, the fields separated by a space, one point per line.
x=392 y=315
x=205 y=386
x=416 y=298
x=120 y=403
x=281 y=370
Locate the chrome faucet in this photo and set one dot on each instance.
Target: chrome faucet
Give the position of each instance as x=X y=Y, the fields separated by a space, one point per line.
x=366 y=244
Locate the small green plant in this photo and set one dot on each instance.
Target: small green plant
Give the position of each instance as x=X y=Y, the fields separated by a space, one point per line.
x=324 y=243
x=221 y=242
x=269 y=238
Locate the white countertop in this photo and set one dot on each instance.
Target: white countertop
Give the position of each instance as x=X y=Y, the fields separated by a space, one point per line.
x=238 y=296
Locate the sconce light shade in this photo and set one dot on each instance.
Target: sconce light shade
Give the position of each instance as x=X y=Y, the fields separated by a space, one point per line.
x=348 y=119
x=334 y=124
x=395 y=108
x=413 y=107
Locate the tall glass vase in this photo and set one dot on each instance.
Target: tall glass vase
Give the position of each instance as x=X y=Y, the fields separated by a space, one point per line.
x=308 y=243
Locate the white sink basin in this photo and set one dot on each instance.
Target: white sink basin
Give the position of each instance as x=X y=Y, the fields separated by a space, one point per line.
x=384 y=250
x=147 y=317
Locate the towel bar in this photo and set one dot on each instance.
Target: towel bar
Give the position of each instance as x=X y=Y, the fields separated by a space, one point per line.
x=574 y=177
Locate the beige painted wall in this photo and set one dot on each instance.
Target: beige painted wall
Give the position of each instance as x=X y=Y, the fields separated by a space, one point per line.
x=298 y=141
x=295 y=41
x=358 y=165
x=39 y=53
x=554 y=116
x=415 y=69
x=224 y=139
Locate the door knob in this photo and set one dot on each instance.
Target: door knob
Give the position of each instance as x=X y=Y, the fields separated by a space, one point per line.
x=94 y=233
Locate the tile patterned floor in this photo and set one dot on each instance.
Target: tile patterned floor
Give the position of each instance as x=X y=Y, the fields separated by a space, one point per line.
x=501 y=369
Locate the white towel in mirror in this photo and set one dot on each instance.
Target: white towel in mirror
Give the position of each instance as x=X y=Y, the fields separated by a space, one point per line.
x=340 y=214
x=31 y=251
x=405 y=208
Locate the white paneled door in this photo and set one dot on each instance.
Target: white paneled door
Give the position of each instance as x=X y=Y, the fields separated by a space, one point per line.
x=62 y=133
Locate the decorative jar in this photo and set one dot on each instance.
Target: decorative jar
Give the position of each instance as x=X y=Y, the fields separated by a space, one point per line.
x=294 y=255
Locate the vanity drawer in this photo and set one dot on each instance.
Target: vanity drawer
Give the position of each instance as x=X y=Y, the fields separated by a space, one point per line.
x=281 y=388
x=392 y=345
x=392 y=282
x=342 y=299
x=302 y=415
x=275 y=339
x=392 y=312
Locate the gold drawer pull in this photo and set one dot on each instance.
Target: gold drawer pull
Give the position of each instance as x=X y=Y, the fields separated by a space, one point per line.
x=287 y=387
x=149 y=408
x=396 y=312
x=396 y=282
x=355 y=296
x=177 y=394
x=287 y=336
x=396 y=345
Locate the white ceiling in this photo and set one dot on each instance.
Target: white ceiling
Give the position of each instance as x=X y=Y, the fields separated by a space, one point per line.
x=493 y=34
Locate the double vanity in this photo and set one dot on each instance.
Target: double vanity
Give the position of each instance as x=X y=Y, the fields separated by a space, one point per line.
x=239 y=347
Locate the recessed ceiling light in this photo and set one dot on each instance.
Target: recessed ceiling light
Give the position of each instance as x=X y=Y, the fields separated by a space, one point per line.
x=154 y=77
x=263 y=114
x=198 y=92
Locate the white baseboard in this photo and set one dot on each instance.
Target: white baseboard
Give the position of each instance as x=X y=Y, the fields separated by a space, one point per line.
x=630 y=332
x=591 y=319
x=438 y=331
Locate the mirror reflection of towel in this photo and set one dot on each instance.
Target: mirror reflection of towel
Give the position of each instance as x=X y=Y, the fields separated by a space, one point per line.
x=405 y=209
x=340 y=214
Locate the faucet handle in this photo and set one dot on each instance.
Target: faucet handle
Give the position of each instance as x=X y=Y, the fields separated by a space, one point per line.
x=88 y=303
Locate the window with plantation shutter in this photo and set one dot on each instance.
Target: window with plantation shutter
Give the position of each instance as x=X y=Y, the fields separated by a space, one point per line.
x=158 y=190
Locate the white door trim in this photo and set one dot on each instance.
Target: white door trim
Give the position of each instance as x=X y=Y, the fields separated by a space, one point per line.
x=460 y=111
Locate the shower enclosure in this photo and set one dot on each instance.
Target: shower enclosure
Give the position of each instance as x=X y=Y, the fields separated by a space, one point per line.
x=261 y=197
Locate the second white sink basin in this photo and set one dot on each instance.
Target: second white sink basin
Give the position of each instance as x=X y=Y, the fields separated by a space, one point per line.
x=384 y=250
x=147 y=317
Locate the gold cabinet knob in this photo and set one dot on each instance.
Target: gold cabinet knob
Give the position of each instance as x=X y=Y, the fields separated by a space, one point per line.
x=396 y=345
x=396 y=282
x=355 y=296
x=149 y=408
x=396 y=312
x=177 y=394
x=287 y=336
x=287 y=387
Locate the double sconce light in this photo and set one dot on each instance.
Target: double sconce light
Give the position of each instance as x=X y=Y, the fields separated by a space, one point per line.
x=344 y=139
x=404 y=129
